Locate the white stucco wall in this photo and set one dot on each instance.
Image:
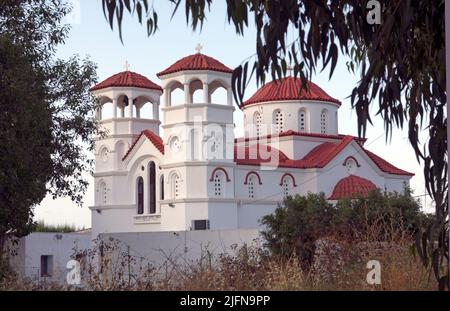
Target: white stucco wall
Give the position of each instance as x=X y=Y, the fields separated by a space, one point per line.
x=183 y=247
x=290 y=110
x=60 y=245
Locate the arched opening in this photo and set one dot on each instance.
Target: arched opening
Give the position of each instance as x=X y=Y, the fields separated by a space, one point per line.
x=107 y=111
x=146 y=111
x=144 y=108
x=324 y=121
x=302 y=120
x=196 y=91
x=152 y=187
x=218 y=93
x=140 y=195
x=176 y=94
x=278 y=121
x=123 y=106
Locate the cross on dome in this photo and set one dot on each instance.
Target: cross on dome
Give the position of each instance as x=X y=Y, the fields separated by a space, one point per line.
x=126 y=67
x=289 y=70
x=199 y=48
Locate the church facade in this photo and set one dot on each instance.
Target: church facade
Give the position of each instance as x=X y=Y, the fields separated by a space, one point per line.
x=189 y=171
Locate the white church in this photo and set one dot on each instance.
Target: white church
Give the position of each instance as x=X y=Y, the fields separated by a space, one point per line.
x=187 y=170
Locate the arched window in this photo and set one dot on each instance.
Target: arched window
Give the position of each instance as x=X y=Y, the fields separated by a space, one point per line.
x=324 y=121
x=140 y=195
x=120 y=153
x=278 y=121
x=287 y=185
x=175 y=186
x=152 y=187
x=161 y=189
x=302 y=121
x=257 y=120
x=251 y=186
x=218 y=184
x=103 y=193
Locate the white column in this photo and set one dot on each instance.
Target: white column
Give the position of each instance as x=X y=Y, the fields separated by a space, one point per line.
x=156 y=110
x=167 y=97
x=114 y=107
x=138 y=112
x=130 y=107
x=205 y=93
x=122 y=112
x=230 y=97
x=187 y=94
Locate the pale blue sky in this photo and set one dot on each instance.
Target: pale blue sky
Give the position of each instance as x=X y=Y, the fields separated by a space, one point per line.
x=91 y=35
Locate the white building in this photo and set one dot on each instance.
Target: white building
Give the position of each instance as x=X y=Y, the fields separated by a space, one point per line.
x=197 y=175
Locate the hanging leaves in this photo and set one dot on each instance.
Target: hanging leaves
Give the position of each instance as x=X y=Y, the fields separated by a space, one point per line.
x=401 y=62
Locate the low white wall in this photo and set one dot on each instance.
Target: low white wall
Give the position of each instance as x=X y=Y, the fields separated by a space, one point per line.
x=181 y=247
x=60 y=245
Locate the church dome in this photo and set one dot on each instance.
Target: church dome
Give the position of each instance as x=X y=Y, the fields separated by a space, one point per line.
x=289 y=89
x=352 y=186
x=127 y=79
x=196 y=61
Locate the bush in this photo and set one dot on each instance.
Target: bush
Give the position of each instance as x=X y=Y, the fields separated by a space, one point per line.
x=300 y=221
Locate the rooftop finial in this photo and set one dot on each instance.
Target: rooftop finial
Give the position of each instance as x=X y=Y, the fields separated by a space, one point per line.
x=289 y=70
x=126 y=67
x=199 y=48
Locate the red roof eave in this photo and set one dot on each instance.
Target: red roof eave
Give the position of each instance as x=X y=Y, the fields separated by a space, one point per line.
x=154 y=139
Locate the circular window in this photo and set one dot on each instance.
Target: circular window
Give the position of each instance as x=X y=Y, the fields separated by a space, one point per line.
x=175 y=144
x=350 y=165
x=104 y=153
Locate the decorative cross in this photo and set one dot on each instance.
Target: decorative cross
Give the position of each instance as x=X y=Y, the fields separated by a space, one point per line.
x=289 y=70
x=126 y=67
x=199 y=48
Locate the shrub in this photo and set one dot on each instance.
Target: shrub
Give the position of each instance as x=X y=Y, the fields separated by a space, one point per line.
x=300 y=221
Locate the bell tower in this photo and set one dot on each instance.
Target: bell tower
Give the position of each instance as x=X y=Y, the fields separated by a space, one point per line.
x=128 y=104
x=199 y=139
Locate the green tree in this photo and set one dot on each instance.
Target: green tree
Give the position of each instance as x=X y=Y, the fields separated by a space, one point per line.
x=401 y=62
x=297 y=224
x=300 y=221
x=46 y=113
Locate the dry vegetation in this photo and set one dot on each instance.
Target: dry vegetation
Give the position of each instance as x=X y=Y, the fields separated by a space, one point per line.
x=253 y=269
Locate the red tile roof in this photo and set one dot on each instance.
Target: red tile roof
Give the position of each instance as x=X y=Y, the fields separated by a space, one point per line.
x=295 y=133
x=196 y=62
x=352 y=186
x=127 y=79
x=154 y=139
x=318 y=157
x=258 y=154
x=385 y=166
x=289 y=88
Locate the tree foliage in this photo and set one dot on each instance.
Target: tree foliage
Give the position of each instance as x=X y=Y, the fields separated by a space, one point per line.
x=46 y=113
x=401 y=62
x=300 y=221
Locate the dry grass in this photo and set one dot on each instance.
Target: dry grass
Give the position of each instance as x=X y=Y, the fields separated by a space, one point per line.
x=253 y=269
